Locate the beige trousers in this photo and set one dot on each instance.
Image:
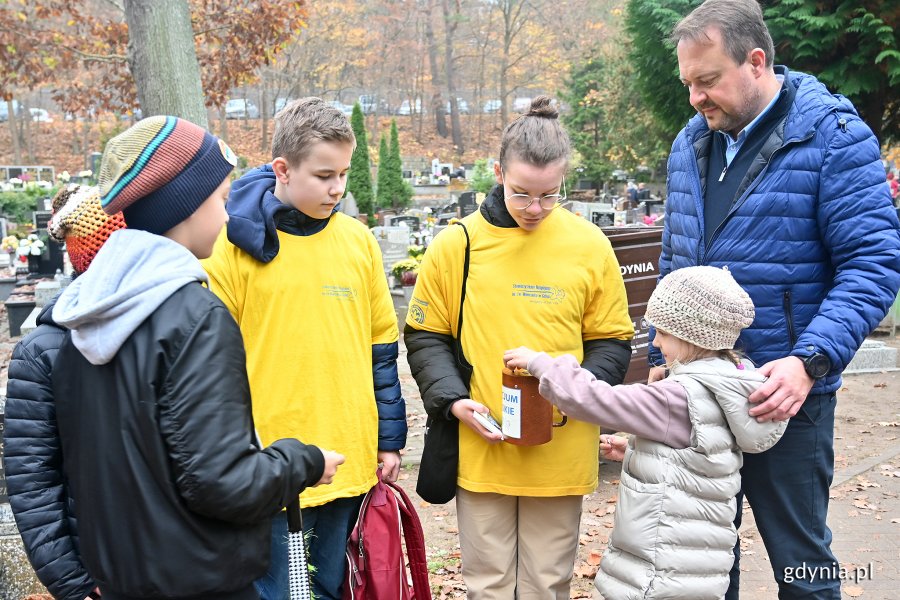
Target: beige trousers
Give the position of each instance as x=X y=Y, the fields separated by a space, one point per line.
x=517 y=547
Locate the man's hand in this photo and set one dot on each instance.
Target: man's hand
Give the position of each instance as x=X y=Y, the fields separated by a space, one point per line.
x=390 y=461
x=783 y=394
x=613 y=447
x=656 y=374
x=464 y=409
x=518 y=358
x=332 y=461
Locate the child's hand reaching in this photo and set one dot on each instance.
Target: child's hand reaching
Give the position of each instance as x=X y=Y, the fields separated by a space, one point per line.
x=613 y=447
x=518 y=358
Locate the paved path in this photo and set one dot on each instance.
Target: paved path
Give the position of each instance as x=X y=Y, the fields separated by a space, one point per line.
x=864 y=516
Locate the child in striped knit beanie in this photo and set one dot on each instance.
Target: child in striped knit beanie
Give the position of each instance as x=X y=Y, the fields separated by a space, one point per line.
x=150 y=387
x=38 y=492
x=674 y=533
x=79 y=222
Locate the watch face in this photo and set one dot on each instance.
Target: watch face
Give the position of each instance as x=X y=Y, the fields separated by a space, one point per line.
x=817 y=365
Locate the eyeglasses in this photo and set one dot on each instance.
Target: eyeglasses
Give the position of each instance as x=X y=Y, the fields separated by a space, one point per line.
x=546 y=202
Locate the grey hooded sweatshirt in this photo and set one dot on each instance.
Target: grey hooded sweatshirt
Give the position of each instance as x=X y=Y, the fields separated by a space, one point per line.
x=131 y=276
x=674 y=532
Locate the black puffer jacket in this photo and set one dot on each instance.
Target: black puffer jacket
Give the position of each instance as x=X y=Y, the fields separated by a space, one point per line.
x=174 y=496
x=38 y=493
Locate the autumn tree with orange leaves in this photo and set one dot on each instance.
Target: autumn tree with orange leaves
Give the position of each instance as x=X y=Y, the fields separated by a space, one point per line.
x=85 y=51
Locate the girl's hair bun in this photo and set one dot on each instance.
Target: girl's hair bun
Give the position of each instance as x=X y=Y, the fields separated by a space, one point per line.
x=543 y=106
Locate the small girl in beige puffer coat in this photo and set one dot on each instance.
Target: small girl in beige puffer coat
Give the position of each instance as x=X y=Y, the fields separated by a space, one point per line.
x=674 y=529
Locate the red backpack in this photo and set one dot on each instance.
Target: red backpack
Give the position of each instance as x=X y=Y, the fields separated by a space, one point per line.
x=376 y=569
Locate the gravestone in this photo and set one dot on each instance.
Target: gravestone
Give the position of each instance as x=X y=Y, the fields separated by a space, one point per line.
x=467 y=204
x=394 y=244
x=52 y=259
x=411 y=221
x=603 y=217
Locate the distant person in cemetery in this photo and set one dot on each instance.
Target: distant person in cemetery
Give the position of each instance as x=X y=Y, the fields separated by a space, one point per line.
x=39 y=496
x=306 y=285
x=894 y=186
x=643 y=193
x=780 y=180
x=519 y=508
x=173 y=494
x=683 y=462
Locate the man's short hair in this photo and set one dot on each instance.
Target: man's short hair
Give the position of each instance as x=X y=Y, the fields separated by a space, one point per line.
x=302 y=123
x=740 y=23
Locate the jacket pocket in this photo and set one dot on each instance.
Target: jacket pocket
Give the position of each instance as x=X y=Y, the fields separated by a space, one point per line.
x=788 y=304
x=638 y=510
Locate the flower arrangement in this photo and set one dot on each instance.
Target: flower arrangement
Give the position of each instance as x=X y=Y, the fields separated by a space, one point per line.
x=416 y=251
x=9 y=244
x=407 y=265
x=31 y=245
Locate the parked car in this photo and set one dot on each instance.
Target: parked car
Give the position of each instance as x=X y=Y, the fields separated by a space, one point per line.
x=40 y=115
x=280 y=103
x=461 y=105
x=4 y=110
x=241 y=108
x=344 y=108
x=368 y=103
x=521 y=105
x=492 y=106
x=406 y=108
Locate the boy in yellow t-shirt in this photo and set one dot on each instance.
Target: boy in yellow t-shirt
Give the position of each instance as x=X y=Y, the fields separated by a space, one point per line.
x=307 y=287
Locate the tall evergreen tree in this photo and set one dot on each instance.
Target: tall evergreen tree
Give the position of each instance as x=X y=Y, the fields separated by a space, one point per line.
x=649 y=24
x=402 y=190
x=359 y=180
x=610 y=124
x=383 y=186
x=853 y=47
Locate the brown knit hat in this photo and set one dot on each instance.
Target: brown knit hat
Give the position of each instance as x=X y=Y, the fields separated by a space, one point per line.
x=701 y=305
x=79 y=221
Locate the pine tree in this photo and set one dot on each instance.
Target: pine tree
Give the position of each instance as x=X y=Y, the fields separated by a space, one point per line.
x=383 y=188
x=359 y=180
x=401 y=189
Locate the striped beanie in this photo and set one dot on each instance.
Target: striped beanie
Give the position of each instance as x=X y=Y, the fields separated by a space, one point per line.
x=160 y=170
x=701 y=305
x=79 y=221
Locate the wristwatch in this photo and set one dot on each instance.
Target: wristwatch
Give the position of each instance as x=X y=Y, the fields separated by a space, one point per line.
x=817 y=365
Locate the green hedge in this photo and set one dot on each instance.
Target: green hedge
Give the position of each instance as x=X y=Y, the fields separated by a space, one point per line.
x=18 y=206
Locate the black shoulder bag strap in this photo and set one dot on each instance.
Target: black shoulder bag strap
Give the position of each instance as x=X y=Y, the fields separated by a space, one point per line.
x=465 y=369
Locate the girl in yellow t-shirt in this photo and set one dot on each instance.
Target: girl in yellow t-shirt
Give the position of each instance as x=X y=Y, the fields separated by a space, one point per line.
x=537 y=275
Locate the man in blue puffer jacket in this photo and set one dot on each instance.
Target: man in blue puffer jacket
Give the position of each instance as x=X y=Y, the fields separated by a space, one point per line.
x=779 y=180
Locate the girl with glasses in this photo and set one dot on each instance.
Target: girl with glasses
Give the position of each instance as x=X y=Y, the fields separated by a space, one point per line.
x=536 y=275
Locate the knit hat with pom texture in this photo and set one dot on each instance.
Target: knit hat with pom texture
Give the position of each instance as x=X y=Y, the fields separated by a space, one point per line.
x=701 y=305
x=79 y=221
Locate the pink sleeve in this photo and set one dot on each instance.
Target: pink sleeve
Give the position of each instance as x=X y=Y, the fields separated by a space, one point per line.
x=657 y=412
